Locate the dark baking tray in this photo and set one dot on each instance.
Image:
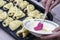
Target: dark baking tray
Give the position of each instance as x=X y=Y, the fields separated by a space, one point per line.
x=30 y=36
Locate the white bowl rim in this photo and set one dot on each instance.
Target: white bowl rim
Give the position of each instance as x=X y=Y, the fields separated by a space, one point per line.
x=37 y=32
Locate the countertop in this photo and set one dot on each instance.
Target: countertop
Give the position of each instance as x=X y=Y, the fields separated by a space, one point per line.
x=5 y=36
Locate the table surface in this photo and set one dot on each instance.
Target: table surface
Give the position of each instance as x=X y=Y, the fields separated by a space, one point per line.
x=5 y=36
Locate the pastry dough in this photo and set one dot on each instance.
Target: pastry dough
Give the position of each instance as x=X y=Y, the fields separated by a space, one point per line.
x=17 y=2
x=23 y=4
x=29 y=8
x=23 y=32
x=15 y=24
x=12 y=11
x=2 y=3
x=18 y=15
x=3 y=15
x=1 y=11
x=15 y=13
x=41 y=15
x=34 y=13
x=28 y=18
x=7 y=21
x=7 y=6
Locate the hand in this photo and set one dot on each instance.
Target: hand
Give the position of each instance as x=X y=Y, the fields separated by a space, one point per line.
x=56 y=34
x=49 y=4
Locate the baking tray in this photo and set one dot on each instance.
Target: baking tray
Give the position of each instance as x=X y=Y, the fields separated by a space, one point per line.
x=30 y=36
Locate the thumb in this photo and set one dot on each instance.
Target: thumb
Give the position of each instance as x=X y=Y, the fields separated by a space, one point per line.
x=54 y=35
x=57 y=29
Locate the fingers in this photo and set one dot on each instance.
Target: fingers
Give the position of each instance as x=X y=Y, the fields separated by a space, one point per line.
x=54 y=4
x=48 y=5
x=48 y=37
x=44 y=2
x=55 y=35
x=57 y=29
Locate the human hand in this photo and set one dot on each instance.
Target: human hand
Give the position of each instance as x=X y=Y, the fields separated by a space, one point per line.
x=49 y=4
x=56 y=34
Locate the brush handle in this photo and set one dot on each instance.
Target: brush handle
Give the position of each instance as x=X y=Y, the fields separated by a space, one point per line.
x=45 y=14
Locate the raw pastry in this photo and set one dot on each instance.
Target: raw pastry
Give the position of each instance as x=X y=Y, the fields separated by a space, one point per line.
x=3 y=15
x=18 y=14
x=41 y=15
x=7 y=6
x=7 y=21
x=23 y=4
x=17 y=2
x=12 y=11
x=34 y=13
x=28 y=18
x=2 y=3
x=1 y=11
x=15 y=24
x=29 y=8
x=23 y=32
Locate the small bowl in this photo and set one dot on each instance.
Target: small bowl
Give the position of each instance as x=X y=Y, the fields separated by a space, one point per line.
x=49 y=26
